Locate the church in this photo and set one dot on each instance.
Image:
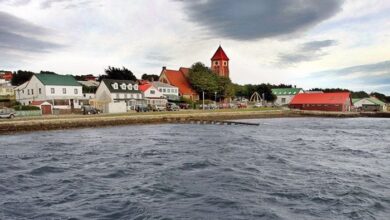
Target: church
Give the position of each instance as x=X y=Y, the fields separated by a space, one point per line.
x=179 y=78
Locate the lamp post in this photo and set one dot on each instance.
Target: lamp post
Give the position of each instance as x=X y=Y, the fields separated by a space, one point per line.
x=203 y=100
x=215 y=93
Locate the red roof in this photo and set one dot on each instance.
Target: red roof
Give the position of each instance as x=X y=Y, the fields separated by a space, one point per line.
x=220 y=55
x=38 y=103
x=321 y=98
x=179 y=79
x=144 y=87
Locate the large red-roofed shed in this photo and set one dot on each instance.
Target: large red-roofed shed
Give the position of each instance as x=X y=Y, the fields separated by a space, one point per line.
x=340 y=101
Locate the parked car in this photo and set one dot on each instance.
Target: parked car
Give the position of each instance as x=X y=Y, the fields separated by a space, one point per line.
x=89 y=110
x=157 y=108
x=142 y=108
x=7 y=113
x=172 y=107
x=184 y=105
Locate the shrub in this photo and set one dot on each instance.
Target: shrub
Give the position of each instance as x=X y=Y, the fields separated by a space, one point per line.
x=26 y=108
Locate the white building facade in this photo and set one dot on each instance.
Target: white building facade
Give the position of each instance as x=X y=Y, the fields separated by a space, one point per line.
x=118 y=91
x=62 y=91
x=169 y=91
x=285 y=95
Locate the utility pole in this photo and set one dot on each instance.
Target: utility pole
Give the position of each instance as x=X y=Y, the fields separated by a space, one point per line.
x=215 y=97
x=203 y=100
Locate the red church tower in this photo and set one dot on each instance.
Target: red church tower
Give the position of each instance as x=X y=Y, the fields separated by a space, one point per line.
x=220 y=63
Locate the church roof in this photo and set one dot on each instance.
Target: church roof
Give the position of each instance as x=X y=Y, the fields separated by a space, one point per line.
x=179 y=79
x=220 y=55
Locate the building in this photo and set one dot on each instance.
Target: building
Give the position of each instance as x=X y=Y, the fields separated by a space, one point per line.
x=179 y=79
x=7 y=95
x=220 y=63
x=46 y=107
x=152 y=95
x=340 y=101
x=285 y=95
x=6 y=76
x=89 y=91
x=62 y=91
x=169 y=91
x=115 y=96
x=369 y=104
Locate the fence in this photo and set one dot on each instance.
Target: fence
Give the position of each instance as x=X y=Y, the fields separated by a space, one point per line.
x=28 y=113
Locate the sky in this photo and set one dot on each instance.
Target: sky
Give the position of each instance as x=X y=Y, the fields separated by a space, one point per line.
x=307 y=43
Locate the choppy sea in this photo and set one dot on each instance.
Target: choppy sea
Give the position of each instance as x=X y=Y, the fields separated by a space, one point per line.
x=288 y=168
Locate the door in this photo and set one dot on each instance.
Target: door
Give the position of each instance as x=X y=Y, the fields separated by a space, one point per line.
x=46 y=109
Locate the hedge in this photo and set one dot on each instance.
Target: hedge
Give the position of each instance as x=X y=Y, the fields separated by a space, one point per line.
x=26 y=108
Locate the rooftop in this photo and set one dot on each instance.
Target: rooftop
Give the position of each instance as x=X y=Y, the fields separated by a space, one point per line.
x=286 y=91
x=321 y=98
x=57 y=80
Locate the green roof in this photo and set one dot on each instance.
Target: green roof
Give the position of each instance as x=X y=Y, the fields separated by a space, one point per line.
x=109 y=83
x=286 y=91
x=373 y=100
x=57 y=80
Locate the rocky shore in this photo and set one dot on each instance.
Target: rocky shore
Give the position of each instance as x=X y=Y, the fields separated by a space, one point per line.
x=70 y=122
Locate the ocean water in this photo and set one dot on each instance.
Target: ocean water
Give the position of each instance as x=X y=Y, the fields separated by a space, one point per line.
x=288 y=168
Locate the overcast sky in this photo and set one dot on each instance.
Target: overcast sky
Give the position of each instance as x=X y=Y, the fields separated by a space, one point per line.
x=308 y=43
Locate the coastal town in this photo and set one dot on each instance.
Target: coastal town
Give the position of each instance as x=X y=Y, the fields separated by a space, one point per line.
x=48 y=93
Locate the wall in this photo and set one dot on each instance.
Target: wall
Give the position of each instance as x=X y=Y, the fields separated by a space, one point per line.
x=119 y=107
x=28 y=113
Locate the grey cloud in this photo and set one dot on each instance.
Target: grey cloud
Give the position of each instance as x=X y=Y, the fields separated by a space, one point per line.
x=255 y=19
x=68 y=4
x=309 y=51
x=20 y=36
x=15 y=2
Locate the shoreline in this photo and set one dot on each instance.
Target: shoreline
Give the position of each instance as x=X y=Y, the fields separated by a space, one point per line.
x=73 y=122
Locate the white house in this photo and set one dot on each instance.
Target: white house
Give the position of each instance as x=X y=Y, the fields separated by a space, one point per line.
x=169 y=91
x=285 y=95
x=152 y=95
x=113 y=96
x=62 y=91
x=369 y=104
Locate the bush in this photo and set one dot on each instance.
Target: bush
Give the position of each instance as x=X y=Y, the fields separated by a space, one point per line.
x=26 y=108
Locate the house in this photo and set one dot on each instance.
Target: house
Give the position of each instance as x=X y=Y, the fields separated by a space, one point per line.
x=179 y=79
x=117 y=96
x=7 y=95
x=285 y=95
x=90 y=77
x=340 y=101
x=370 y=104
x=169 y=91
x=152 y=95
x=62 y=91
x=6 y=76
x=89 y=91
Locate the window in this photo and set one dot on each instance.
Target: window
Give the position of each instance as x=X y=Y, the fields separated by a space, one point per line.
x=32 y=91
x=216 y=63
x=28 y=92
x=130 y=87
x=63 y=90
x=123 y=86
x=152 y=92
x=160 y=90
x=76 y=91
x=164 y=90
x=115 y=85
x=125 y=96
x=135 y=87
x=283 y=100
x=225 y=63
x=52 y=90
x=40 y=91
x=117 y=96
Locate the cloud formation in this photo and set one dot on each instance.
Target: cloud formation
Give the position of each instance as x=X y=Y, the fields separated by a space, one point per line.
x=255 y=19
x=20 y=35
x=309 y=51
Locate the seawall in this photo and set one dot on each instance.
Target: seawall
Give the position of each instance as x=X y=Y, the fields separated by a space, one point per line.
x=70 y=122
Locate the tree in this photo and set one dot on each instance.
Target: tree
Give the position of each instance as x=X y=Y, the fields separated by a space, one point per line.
x=21 y=77
x=47 y=72
x=263 y=89
x=360 y=95
x=117 y=73
x=380 y=96
x=204 y=80
x=150 y=77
